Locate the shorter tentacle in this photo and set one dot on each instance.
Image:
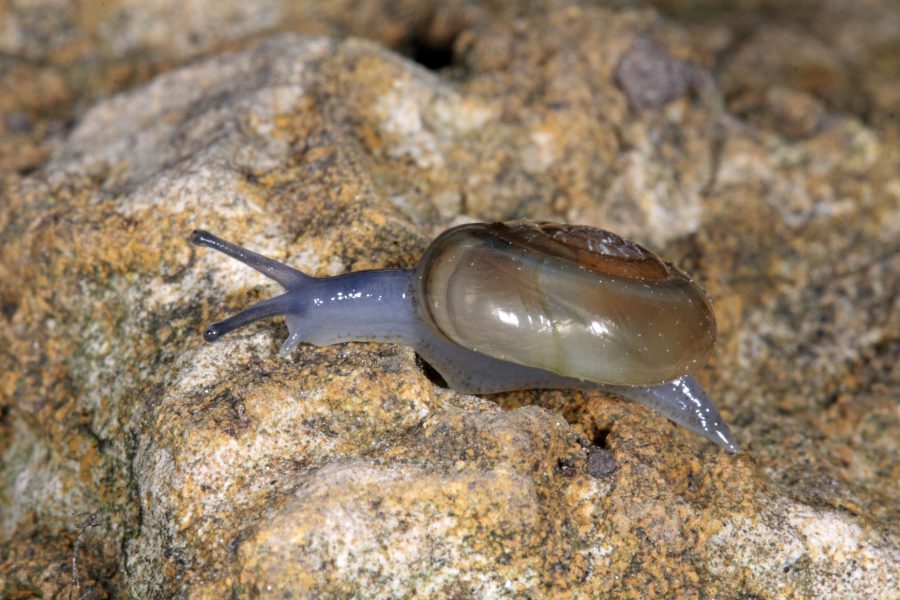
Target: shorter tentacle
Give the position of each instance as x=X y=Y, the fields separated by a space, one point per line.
x=294 y=323
x=272 y=307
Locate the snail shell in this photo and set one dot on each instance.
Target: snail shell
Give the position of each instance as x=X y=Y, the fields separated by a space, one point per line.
x=574 y=300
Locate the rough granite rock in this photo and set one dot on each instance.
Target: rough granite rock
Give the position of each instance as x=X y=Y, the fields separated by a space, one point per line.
x=164 y=466
x=845 y=54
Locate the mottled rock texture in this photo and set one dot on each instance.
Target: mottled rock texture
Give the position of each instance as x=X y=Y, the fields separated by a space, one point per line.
x=162 y=466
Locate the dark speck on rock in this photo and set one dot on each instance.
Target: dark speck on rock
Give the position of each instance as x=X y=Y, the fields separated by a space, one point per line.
x=566 y=467
x=17 y=122
x=651 y=78
x=601 y=463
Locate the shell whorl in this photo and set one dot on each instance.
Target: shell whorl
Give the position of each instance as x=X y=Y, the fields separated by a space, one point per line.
x=596 y=249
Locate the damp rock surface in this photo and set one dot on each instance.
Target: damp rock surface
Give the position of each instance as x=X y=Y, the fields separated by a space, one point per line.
x=169 y=467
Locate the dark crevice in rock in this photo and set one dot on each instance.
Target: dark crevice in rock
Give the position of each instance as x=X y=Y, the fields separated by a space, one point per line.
x=431 y=53
x=599 y=438
x=9 y=304
x=27 y=170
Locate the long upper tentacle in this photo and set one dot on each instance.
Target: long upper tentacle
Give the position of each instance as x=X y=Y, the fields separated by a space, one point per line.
x=287 y=276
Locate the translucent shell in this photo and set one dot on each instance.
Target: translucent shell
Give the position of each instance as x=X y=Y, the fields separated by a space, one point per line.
x=578 y=301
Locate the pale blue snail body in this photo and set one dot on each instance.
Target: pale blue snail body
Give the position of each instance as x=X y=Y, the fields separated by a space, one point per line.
x=521 y=305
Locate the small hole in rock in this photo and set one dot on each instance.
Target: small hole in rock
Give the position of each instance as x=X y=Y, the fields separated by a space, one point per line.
x=431 y=54
x=9 y=304
x=27 y=170
x=599 y=439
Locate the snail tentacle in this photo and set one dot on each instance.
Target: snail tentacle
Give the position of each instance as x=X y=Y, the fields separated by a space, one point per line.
x=271 y=307
x=365 y=306
x=288 y=277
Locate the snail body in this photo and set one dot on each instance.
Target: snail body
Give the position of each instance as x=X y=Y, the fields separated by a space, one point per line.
x=519 y=305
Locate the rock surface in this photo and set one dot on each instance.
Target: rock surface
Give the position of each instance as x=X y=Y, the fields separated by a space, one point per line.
x=167 y=466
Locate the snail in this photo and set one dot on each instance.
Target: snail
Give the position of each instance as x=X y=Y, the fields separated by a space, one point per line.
x=518 y=305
